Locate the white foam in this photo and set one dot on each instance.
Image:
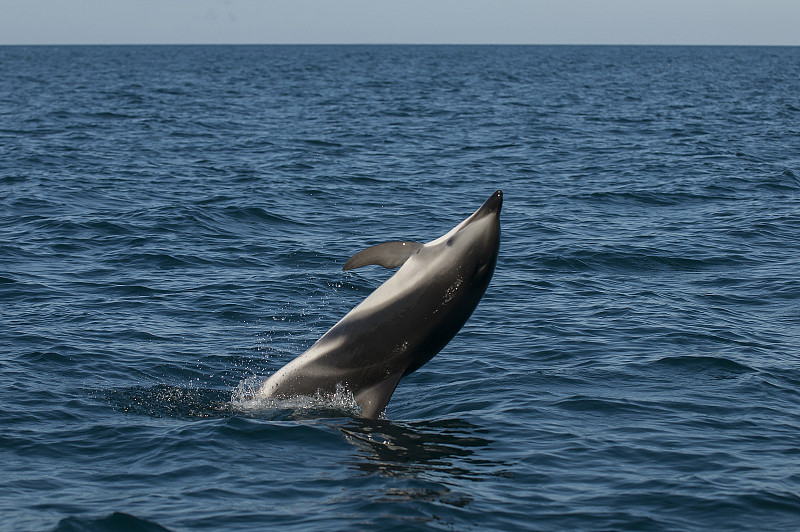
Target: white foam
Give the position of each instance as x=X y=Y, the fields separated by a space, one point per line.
x=246 y=398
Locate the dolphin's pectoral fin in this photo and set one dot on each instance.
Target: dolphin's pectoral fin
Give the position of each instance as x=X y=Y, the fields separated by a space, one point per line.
x=389 y=255
x=375 y=398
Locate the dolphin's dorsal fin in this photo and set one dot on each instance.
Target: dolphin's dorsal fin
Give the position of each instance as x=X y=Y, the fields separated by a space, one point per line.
x=389 y=255
x=374 y=399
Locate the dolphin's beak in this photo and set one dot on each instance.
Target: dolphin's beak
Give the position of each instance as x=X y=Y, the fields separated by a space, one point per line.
x=491 y=206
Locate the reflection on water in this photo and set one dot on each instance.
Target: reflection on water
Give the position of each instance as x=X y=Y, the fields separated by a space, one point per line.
x=386 y=447
x=433 y=466
x=397 y=449
x=442 y=447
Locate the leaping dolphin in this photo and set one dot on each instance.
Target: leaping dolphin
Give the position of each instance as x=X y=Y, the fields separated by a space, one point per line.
x=405 y=321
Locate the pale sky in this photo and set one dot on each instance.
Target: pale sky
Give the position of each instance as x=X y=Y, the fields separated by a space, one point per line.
x=772 y=22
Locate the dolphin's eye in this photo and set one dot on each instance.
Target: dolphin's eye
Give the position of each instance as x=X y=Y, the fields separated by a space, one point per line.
x=450 y=242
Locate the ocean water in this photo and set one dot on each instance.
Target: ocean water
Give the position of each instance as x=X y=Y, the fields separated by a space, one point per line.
x=173 y=222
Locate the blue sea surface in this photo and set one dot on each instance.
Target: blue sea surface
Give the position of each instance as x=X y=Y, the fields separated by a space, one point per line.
x=173 y=223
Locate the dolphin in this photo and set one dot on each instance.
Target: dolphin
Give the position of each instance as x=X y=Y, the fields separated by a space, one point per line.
x=403 y=323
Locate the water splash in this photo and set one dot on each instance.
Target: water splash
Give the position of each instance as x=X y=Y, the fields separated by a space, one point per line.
x=246 y=399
